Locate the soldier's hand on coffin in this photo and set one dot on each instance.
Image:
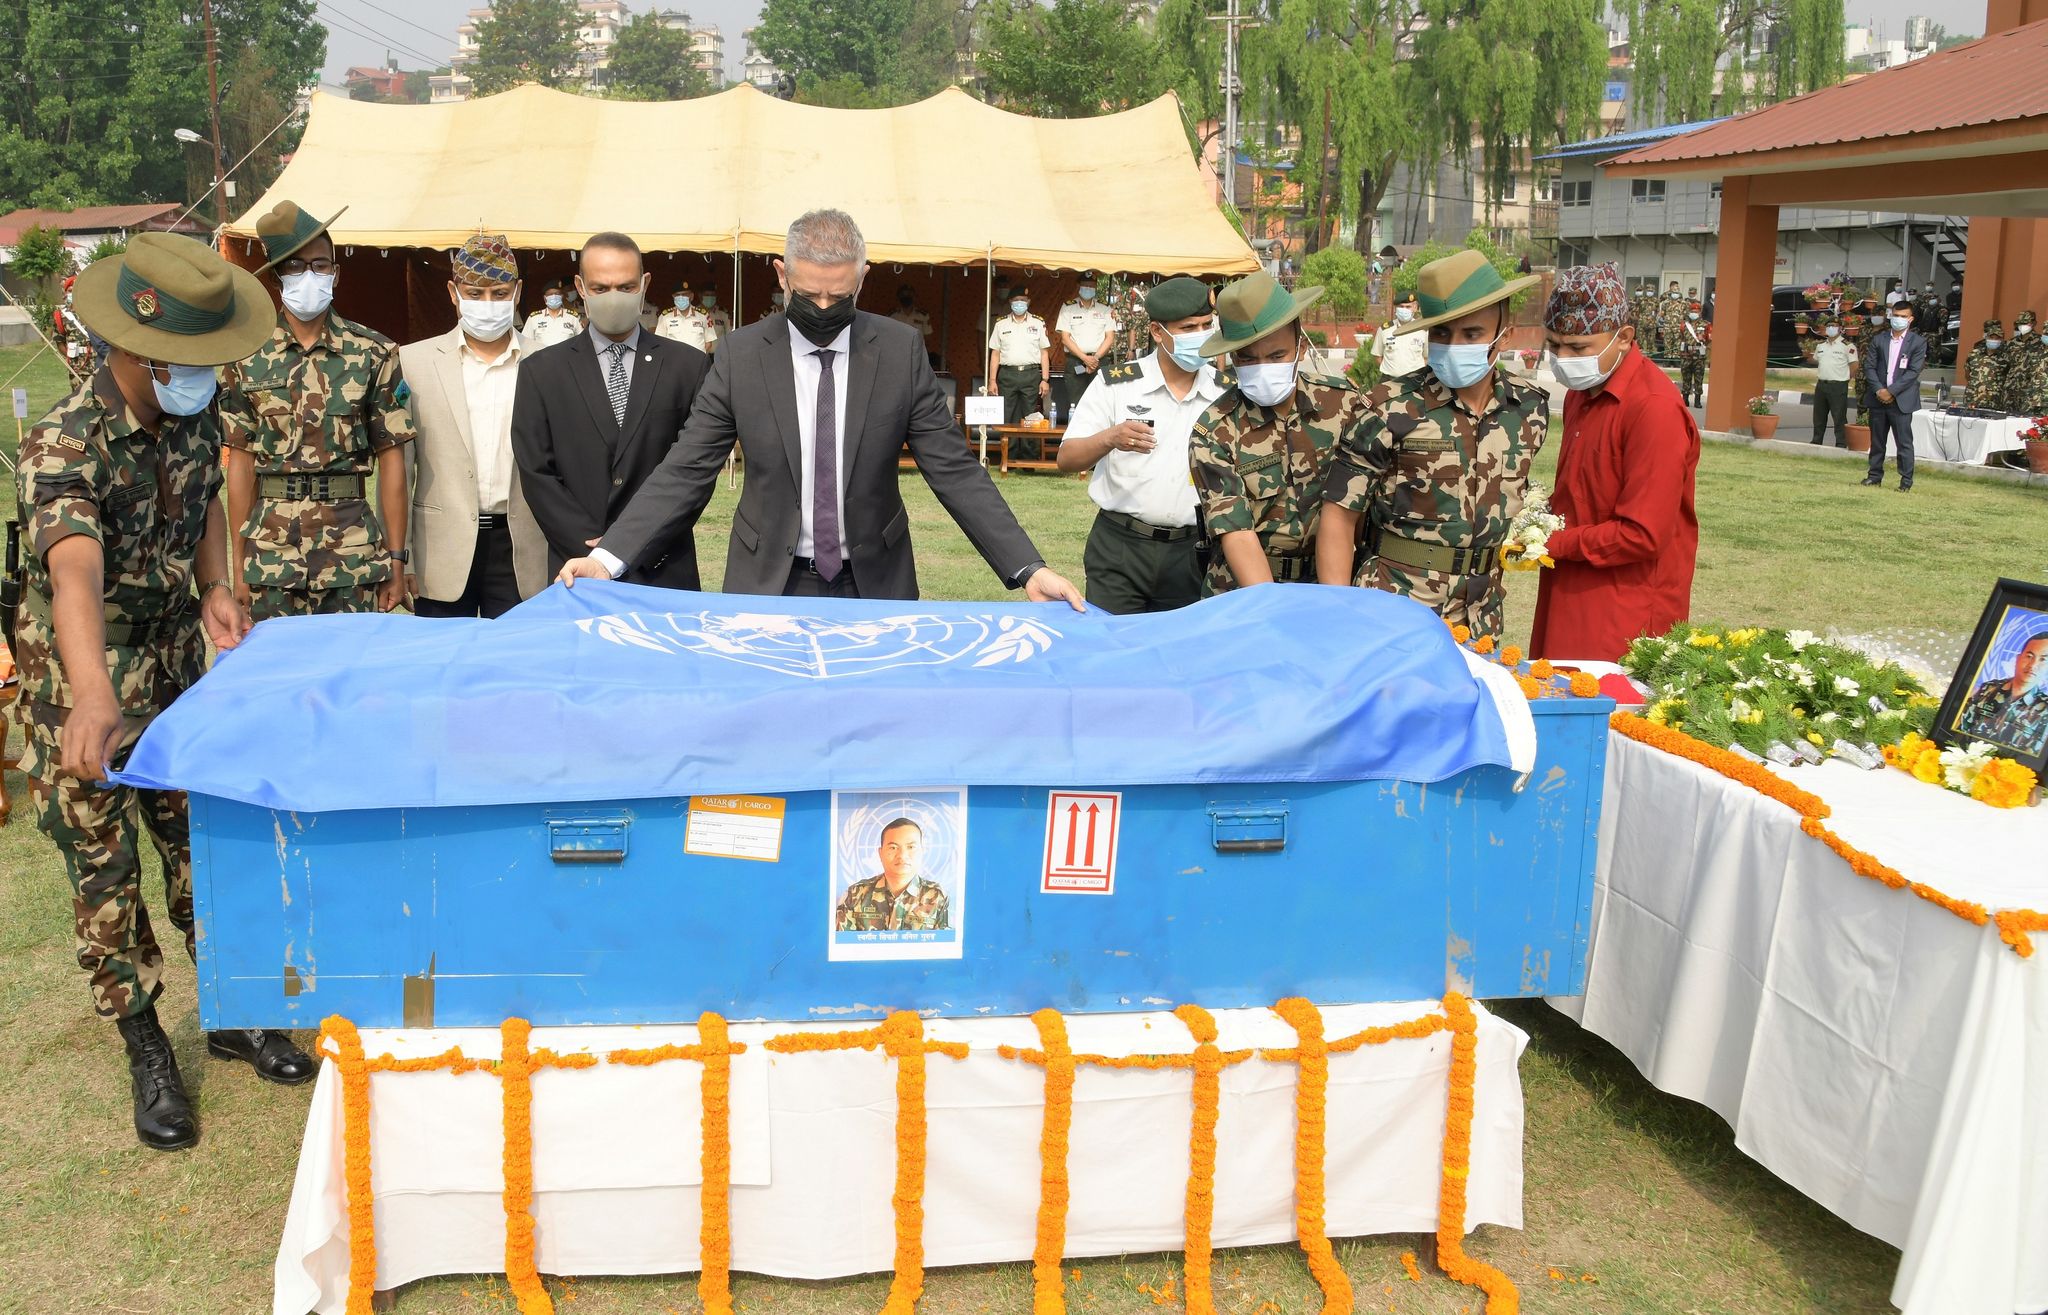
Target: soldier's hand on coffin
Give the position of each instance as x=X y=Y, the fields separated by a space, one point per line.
x=91 y=735
x=1047 y=585
x=225 y=618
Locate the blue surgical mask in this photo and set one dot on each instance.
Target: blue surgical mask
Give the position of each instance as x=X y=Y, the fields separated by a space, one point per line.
x=710 y=301
x=1186 y=353
x=190 y=389
x=682 y=303
x=1087 y=294
x=1019 y=307
x=1460 y=365
x=554 y=300
x=1899 y=323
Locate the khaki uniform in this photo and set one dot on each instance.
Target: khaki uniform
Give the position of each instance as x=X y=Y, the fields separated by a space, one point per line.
x=315 y=545
x=1017 y=344
x=89 y=469
x=545 y=328
x=1437 y=485
x=1263 y=469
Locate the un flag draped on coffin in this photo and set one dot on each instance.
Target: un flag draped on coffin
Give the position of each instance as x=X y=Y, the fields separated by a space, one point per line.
x=629 y=805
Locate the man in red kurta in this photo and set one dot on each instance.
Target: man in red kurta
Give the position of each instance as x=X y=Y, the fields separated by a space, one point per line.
x=1624 y=482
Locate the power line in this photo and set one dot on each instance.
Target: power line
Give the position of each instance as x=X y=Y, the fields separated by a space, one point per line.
x=348 y=24
x=438 y=36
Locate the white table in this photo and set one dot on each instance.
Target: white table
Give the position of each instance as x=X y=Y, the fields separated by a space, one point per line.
x=813 y=1160
x=1965 y=440
x=1877 y=1052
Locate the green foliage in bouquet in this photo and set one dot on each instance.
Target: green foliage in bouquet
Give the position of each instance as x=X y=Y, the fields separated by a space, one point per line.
x=1756 y=687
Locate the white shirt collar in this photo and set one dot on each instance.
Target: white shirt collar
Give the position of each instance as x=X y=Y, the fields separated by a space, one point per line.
x=1206 y=385
x=800 y=346
x=511 y=352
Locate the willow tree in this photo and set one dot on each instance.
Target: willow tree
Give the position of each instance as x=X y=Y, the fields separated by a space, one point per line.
x=1369 y=85
x=1698 y=58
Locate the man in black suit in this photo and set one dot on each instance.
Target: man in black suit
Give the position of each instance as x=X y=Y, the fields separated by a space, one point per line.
x=594 y=419
x=821 y=399
x=1891 y=370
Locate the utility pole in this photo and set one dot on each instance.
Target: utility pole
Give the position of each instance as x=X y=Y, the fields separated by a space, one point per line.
x=220 y=200
x=1233 y=90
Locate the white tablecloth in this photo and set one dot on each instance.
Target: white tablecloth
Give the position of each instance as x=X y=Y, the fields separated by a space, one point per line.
x=1877 y=1052
x=1966 y=440
x=616 y=1151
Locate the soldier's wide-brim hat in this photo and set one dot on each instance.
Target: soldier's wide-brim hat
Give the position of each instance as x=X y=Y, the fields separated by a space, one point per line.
x=175 y=301
x=287 y=228
x=1457 y=285
x=1253 y=307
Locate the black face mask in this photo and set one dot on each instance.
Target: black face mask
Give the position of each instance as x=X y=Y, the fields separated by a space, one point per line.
x=820 y=326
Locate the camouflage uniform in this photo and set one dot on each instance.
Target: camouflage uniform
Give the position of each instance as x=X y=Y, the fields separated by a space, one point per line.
x=87 y=468
x=1642 y=312
x=1263 y=468
x=1985 y=368
x=1670 y=315
x=2026 y=368
x=868 y=906
x=1137 y=326
x=329 y=409
x=1692 y=359
x=2013 y=721
x=1423 y=467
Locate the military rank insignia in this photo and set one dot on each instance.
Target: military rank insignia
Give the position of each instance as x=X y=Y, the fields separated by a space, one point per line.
x=148 y=305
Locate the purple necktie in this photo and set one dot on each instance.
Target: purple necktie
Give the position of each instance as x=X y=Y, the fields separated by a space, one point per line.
x=825 y=548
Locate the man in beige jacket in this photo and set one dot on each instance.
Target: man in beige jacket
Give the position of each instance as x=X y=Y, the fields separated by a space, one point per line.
x=476 y=548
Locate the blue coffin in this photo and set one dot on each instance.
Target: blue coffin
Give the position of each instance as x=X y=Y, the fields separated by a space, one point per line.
x=1313 y=797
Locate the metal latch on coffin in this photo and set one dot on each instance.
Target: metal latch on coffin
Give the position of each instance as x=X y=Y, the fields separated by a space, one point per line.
x=1248 y=828
x=587 y=839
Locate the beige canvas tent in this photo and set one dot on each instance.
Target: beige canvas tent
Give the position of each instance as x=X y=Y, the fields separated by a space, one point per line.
x=954 y=197
x=946 y=181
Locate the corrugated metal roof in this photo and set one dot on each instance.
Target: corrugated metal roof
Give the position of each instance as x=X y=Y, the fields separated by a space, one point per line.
x=89 y=219
x=1615 y=143
x=2000 y=79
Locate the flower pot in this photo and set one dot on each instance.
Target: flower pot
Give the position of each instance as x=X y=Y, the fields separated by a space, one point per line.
x=1856 y=437
x=1802 y=329
x=2037 y=457
x=1763 y=426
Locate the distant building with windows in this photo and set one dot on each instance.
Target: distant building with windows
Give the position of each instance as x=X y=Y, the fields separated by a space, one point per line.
x=757 y=70
x=598 y=24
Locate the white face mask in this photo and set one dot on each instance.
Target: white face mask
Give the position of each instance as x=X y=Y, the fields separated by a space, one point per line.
x=1268 y=385
x=1403 y=314
x=307 y=296
x=1579 y=373
x=486 y=321
x=1834 y=332
x=2022 y=330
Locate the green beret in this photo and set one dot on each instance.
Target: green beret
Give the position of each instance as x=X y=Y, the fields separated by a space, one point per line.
x=1177 y=299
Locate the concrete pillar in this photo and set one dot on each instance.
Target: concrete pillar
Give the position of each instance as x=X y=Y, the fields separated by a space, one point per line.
x=1742 y=304
x=2004 y=15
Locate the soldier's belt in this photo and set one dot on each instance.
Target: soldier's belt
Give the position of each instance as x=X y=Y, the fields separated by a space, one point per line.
x=120 y=634
x=1439 y=557
x=1147 y=530
x=311 y=488
x=1293 y=570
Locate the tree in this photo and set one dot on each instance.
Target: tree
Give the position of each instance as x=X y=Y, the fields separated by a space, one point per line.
x=1340 y=272
x=652 y=61
x=526 y=41
x=40 y=259
x=104 y=86
x=1076 y=59
x=1698 y=58
x=893 y=51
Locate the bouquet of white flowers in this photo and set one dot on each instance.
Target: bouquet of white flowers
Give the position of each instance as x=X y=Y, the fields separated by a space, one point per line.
x=1528 y=542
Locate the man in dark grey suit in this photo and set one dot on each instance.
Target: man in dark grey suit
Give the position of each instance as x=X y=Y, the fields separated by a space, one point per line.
x=595 y=419
x=1891 y=371
x=821 y=399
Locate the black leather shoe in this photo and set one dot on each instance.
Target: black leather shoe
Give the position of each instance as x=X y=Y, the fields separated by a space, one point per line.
x=1905 y=484
x=163 y=1112
x=271 y=1054
x=1875 y=481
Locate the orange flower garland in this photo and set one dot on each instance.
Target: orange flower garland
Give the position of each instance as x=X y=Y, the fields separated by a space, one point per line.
x=1054 y=1190
x=1208 y=1065
x=714 y=1231
x=1311 y=1090
x=2013 y=924
x=515 y=1071
x=355 y=1160
x=1501 y=1296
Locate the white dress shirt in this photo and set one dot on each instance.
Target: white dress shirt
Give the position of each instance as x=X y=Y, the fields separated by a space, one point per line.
x=804 y=355
x=1154 y=486
x=487 y=386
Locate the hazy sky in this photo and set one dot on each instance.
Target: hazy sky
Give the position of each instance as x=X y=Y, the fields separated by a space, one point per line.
x=408 y=37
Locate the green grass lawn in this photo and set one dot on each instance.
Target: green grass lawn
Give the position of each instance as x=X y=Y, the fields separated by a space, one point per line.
x=1642 y=1191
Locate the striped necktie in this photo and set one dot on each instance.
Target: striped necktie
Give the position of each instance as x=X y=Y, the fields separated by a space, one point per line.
x=615 y=381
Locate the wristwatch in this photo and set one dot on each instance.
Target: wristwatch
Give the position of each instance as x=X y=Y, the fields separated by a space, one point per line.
x=212 y=585
x=403 y=556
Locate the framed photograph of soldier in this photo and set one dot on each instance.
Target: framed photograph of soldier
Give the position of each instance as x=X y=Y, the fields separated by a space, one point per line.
x=2000 y=691
x=898 y=880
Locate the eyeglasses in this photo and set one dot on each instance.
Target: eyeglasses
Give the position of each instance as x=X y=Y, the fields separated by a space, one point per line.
x=291 y=267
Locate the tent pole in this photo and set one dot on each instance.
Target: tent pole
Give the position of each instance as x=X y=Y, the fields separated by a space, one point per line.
x=732 y=458
x=988 y=296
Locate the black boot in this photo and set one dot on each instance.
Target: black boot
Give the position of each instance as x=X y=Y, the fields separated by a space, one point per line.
x=163 y=1113
x=271 y=1054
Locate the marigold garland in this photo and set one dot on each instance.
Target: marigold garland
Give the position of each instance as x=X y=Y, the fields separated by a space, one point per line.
x=1501 y=1295
x=515 y=1072
x=355 y=1159
x=1208 y=1065
x=1311 y=1090
x=1511 y=655
x=2013 y=924
x=1054 y=1190
x=714 y=1231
